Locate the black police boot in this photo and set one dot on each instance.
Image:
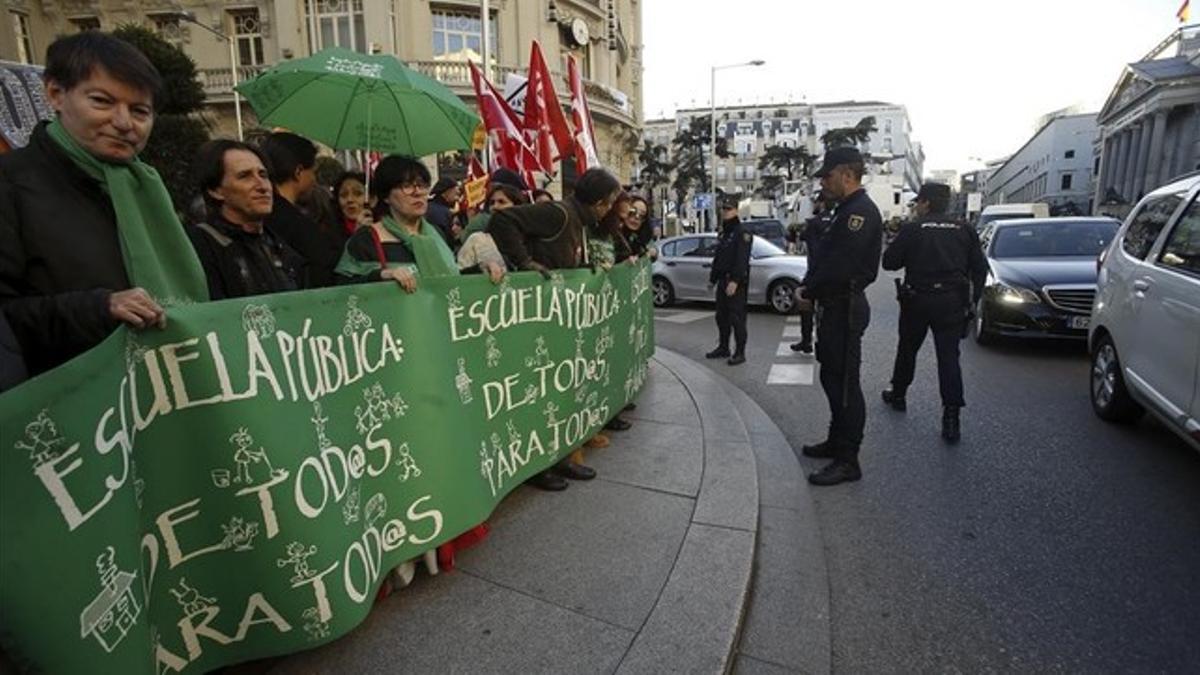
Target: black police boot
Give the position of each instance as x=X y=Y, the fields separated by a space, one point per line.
x=895 y=399
x=718 y=353
x=951 y=429
x=836 y=472
x=804 y=347
x=737 y=359
x=823 y=450
x=574 y=471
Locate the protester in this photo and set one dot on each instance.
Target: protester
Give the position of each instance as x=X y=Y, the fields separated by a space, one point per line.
x=604 y=241
x=542 y=196
x=502 y=176
x=442 y=201
x=240 y=255
x=350 y=205
x=401 y=245
x=292 y=161
x=479 y=246
x=636 y=235
x=89 y=238
x=548 y=236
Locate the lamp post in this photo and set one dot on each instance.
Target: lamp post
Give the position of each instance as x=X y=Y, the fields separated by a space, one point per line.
x=190 y=17
x=712 y=134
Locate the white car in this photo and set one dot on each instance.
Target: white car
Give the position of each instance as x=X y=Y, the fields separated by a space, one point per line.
x=681 y=272
x=1145 y=327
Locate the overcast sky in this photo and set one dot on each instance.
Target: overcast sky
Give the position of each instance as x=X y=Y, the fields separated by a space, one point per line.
x=975 y=76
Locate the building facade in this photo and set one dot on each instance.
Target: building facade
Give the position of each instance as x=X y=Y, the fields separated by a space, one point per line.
x=436 y=37
x=1150 y=124
x=1054 y=167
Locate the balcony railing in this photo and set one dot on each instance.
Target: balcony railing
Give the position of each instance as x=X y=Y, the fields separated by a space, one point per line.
x=218 y=84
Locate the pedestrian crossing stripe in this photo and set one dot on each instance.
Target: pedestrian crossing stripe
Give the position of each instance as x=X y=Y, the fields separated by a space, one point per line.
x=792 y=319
x=682 y=317
x=791 y=331
x=791 y=373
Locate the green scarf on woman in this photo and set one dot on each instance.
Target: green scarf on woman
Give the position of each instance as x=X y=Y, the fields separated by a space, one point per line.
x=433 y=257
x=157 y=254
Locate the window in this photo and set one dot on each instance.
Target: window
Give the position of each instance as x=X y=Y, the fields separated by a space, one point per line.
x=168 y=28
x=887 y=126
x=20 y=24
x=685 y=246
x=1066 y=181
x=1070 y=154
x=340 y=24
x=247 y=30
x=722 y=172
x=454 y=32
x=739 y=172
x=1182 y=251
x=83 y=24
x=1148 y=224
x=706 y=249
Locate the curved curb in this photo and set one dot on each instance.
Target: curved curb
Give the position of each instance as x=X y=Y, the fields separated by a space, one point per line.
x=695 y=624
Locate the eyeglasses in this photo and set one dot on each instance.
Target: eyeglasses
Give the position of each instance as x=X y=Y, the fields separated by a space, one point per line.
x=414 y=188
x=636 y=213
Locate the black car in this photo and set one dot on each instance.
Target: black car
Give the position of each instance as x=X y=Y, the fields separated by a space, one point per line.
x=1042 y=277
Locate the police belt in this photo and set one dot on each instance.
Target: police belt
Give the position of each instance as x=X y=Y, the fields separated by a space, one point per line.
x=934 y=287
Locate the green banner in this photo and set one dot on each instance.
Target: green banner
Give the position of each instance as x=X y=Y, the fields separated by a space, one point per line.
x=237 y=485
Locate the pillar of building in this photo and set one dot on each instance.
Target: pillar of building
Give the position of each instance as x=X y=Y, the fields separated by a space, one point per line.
x=1131 y=162
x=1143 y=158
x=1158 y=129
x=1121 y=165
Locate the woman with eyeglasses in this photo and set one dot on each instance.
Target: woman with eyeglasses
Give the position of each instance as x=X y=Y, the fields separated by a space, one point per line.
x=401 y=244
x=635 y=231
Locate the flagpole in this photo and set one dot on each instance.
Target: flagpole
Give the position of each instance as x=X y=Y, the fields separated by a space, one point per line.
x=485 y=16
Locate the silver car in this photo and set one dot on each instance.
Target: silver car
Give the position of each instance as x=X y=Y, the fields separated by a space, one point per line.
x=681 y=272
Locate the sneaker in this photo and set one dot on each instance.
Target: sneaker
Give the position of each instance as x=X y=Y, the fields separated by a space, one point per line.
x=895 y=400
x=737 y=359
x=836 y=472
x=718 y=353
x=823 y=450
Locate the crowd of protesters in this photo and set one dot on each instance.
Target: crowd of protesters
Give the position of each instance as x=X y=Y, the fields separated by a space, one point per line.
x=89 y=239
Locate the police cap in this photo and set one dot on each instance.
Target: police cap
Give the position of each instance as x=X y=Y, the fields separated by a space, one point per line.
x=934 y=192
x=837 y=157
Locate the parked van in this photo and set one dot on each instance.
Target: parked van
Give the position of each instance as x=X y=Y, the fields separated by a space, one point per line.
x=1007 y=211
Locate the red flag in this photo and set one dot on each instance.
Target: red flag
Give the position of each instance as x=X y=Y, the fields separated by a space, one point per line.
x=509 y=148
x=585 y=135
x=1183 y=14
x=545 y=124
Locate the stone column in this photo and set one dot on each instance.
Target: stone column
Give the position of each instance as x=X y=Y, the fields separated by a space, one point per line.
x=1154 y=162
x=1143 y=159
x=1121 y=165
x=1131 y=165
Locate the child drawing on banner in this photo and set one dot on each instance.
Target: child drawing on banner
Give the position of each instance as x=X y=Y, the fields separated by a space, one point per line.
x=493 y=352
x=379 y=408
x=551 y=413
x=531 y=393
x=407 y=464
x=454 y=298
x=485 y=464
x=190 y=599
x=376 y=509
x=356 y=319
x=350 y=508
x=313 y=625
x=258 y=319
x=239 y=536
x=463 y=382
x=41 y=441
x=319 y=420
x=298 y=557
x=541 y=355
x=243 y=456
x=113 y=612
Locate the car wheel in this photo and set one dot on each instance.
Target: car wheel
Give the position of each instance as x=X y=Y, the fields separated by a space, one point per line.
x=782 y=296
x=983 y=332
x=1110 y=397
x=664 y=293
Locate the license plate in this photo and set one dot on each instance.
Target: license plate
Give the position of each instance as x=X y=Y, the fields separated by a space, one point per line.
x=1079 y=322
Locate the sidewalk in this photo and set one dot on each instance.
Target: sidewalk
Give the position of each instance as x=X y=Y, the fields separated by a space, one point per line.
x=646 y=569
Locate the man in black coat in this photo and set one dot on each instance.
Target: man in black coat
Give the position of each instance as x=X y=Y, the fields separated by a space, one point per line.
x=849 y=262
x=730 y=274
x=942 y=263
x=291 y=162
x=64 y=286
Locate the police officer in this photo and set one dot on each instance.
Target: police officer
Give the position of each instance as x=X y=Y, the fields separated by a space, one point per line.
x=942 y=263
x=849 y=262
x=730 y=275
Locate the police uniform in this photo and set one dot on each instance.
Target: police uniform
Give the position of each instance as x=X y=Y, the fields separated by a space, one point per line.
x=942 y=262
x=731 y=262
x=814 y=231
x=849 y=262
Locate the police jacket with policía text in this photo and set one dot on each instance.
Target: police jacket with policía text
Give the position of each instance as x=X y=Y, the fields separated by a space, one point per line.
x=731 y=260
x=937 y=252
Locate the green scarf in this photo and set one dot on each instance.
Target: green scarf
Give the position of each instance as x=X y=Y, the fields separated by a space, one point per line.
x=433 y=256
x=157 y=254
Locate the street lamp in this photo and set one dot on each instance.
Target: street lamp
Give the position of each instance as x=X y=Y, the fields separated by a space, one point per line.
x=712 y=134
x=190 y=17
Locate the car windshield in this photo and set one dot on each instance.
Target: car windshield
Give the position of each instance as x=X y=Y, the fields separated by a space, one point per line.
x=993 y=217
x=761 y=248
x=1048 y=240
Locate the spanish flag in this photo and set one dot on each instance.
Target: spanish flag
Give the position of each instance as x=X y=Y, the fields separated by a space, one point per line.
x=1183 y=13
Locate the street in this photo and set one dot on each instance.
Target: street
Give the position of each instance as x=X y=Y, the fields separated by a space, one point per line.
x=1047 y=540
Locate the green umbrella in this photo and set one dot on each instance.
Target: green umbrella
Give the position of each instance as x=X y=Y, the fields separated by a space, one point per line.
x=353 y=101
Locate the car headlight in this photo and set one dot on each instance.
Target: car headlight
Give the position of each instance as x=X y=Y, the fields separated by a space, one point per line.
x=1015 y=295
